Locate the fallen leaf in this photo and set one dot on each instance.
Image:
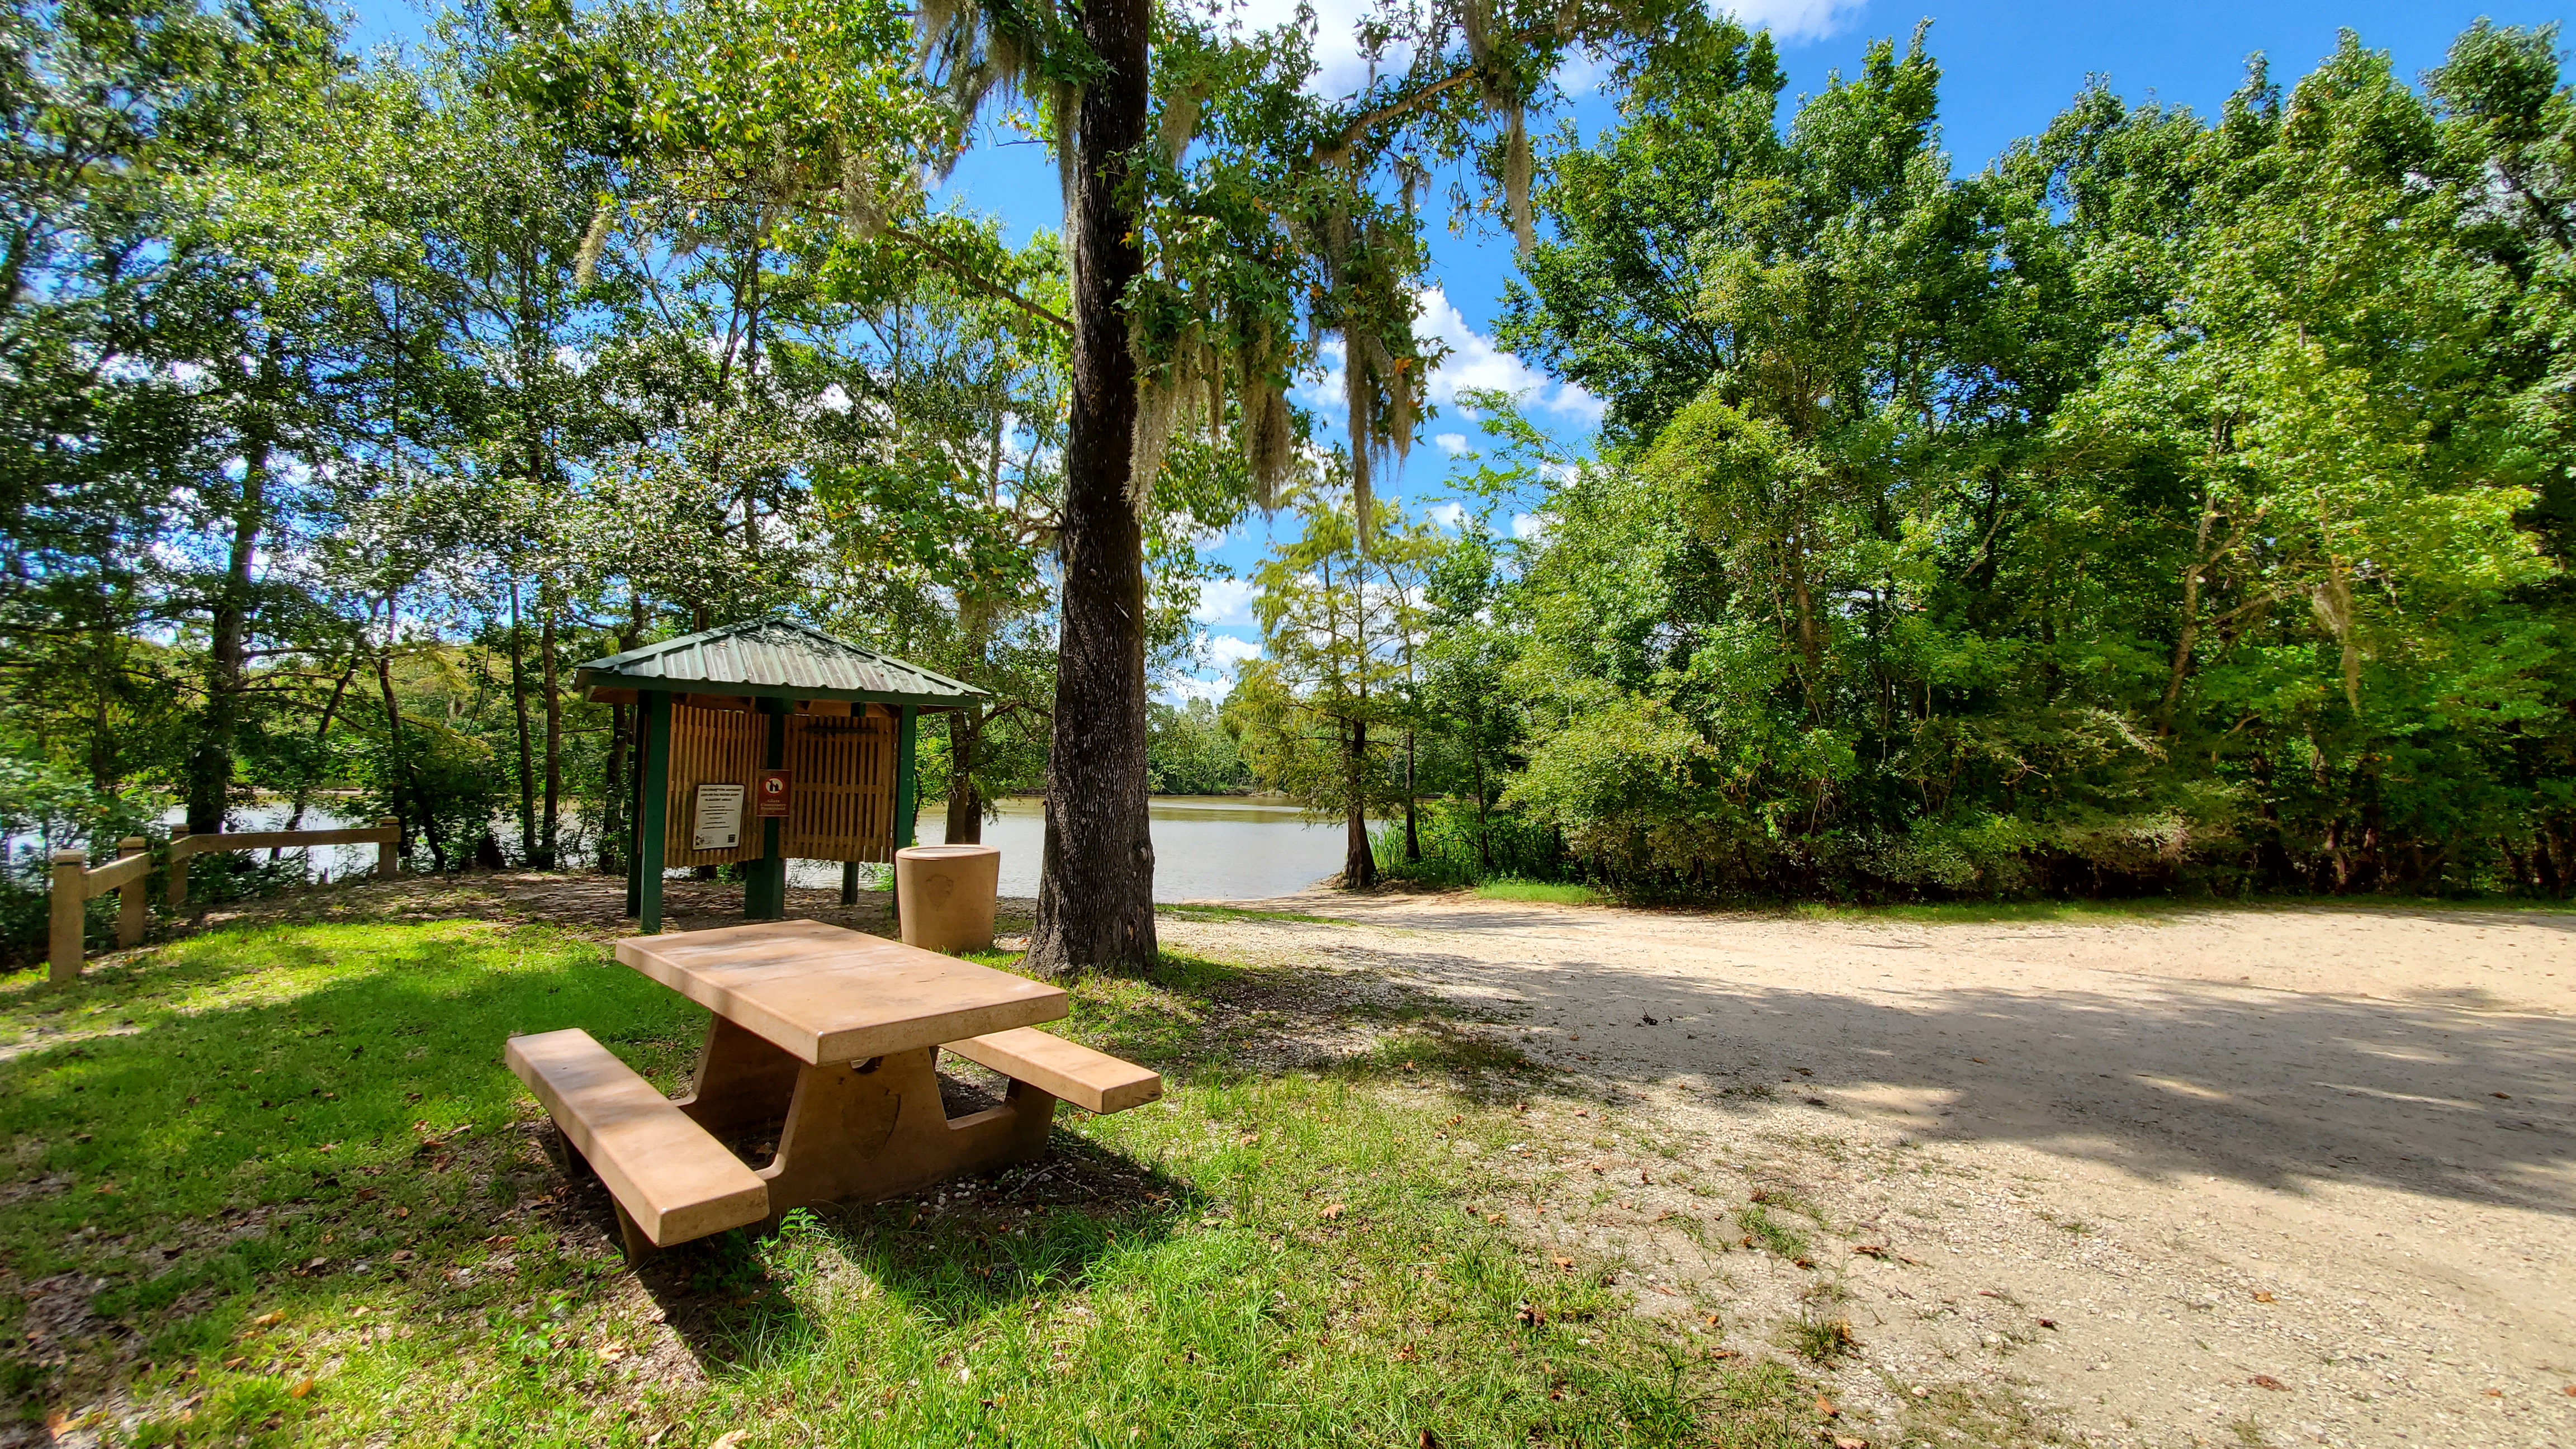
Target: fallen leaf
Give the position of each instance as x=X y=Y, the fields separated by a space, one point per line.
x=1566 y=1263
x=1430 y=1440
x=2500 y=1096
x=732 y=1439
x=1845 y=1442
x=2262 y=1297
x=1332 y=1212
x=2048 y=1323
x=2495 y=1393
x=303 y=1389
x=1825 y=1407
x=269 y=1320
x=2266 y=1381
x=1804 y=1262
x=1869 y=1250
x=1980 y=1061
x=611 y=1352
x=2570 y=1391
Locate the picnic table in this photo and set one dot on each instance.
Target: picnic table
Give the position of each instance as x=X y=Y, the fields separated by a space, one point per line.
x=834 y=1037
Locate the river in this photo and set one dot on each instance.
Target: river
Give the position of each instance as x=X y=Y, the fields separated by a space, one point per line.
x=1206 y=847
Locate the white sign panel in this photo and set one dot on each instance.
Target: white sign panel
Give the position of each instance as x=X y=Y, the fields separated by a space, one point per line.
x=718 y=822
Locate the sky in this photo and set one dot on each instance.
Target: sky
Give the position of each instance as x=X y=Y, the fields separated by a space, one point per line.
x=2007 y=70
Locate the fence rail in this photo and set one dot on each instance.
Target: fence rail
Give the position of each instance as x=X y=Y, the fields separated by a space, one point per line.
x=77 y=883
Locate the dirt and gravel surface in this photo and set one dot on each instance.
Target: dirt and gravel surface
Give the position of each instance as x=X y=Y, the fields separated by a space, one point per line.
x=2198 y=1177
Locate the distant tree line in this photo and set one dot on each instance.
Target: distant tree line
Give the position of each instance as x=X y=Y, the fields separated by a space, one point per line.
x=2179 y=503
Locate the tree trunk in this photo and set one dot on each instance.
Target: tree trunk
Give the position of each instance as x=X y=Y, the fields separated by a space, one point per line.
x=1359 y=863
x=527 y=755
x=1096 y=886
x=612 y=801
x=965 y=806
x=406 y=783
x=1412 y=834
x=210 y=764
x=549 y=821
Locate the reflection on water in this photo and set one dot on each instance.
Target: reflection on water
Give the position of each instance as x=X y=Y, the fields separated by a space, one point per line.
x=1206 y=847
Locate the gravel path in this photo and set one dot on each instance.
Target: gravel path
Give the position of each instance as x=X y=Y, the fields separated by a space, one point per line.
x=2208 y=1177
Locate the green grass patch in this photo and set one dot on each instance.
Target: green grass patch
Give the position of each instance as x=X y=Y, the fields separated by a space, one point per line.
x=1769 y=1233
x=1554 y=893
x=276 y=1187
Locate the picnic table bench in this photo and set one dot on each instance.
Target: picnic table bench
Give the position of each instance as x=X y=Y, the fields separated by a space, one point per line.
x=834 y=1036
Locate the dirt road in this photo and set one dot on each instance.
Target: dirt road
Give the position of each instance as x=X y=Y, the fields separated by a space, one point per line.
x=2214 y=1177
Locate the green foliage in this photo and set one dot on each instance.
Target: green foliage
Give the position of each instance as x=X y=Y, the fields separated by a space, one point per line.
x=2165 y=507
x=1189 y=752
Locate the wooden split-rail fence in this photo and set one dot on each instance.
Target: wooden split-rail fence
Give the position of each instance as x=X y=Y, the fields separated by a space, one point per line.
x=77 y=882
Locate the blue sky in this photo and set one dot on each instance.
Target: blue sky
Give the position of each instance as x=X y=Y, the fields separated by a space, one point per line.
x=2007 y=69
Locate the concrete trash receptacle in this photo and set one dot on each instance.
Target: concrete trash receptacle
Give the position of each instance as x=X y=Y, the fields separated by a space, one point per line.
x=944 y=895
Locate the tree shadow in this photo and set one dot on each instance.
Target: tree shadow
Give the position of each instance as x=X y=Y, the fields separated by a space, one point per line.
x=316 y=1140
x=2455 y=1095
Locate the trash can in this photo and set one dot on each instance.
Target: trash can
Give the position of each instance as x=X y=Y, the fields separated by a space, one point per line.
x=944 y=895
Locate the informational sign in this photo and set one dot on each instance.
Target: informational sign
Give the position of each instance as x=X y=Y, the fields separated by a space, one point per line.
x=773 y=794
x=717 y=822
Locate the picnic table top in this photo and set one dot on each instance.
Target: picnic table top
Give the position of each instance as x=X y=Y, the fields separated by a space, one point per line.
x=825 y=993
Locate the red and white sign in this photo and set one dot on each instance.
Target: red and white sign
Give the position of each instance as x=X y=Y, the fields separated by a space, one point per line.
x=774 y=793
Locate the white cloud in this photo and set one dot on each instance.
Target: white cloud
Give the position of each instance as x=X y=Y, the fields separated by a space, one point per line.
x=1447 y=515
x=1181 y=689
x=1226 y=651
x=1225 y=602
x=1339 y=66
x=1341 y=69
x=1794 y=19
x=1475 y=362
x=1528 y=527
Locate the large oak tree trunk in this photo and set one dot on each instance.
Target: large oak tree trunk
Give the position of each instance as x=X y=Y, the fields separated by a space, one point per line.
x=1096 y=886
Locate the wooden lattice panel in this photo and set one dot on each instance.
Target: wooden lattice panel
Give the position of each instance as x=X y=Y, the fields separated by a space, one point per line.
x=842 y=806
x=713 y=747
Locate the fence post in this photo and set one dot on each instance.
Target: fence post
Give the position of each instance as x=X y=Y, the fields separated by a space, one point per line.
x=179 y=853
x=70 y=902
x=388 y=852
x=129 y=896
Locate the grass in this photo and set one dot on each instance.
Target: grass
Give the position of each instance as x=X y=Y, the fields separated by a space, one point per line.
x=272 y=1185
x=2147 y=908
x=1554 y=893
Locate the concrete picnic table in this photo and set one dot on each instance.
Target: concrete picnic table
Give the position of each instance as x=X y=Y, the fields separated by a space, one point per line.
x=833 y=1035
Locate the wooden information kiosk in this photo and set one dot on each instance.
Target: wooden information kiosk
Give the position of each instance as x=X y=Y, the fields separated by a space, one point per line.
x=764 y=742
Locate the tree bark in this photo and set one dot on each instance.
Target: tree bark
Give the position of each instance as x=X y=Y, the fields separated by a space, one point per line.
x=210 y=764
x=1412 y=833
x=965 y=806
x=549 y=821
x=1359 y=863
x=1096 y=885
x=527 y=753
x=407 y=783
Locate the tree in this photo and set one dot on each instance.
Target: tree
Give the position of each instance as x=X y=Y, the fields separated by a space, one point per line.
x=1340 y=618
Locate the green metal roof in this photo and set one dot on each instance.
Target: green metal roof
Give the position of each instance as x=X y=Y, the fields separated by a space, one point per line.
x=778 y=658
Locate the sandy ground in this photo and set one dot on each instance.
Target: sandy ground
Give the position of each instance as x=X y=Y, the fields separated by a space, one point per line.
x=2222 y=1177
